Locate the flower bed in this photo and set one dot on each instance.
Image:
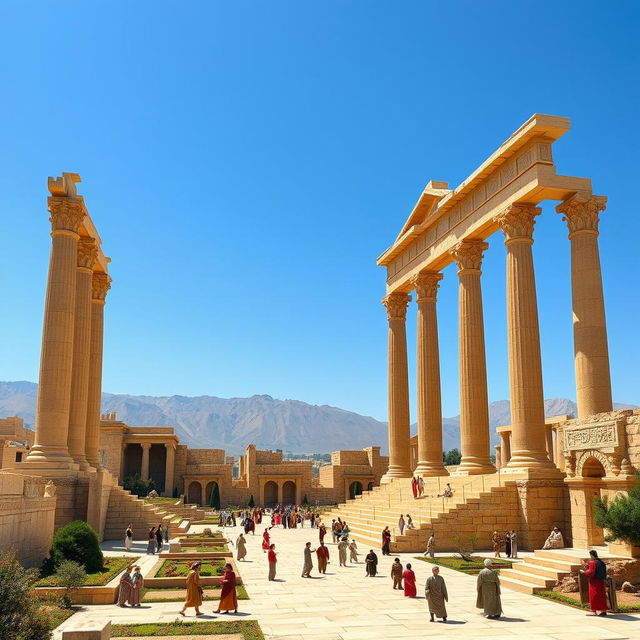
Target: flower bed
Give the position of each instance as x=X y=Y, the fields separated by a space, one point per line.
x=113 y=566
x=176 y=568
x=470 y=568
x=249 y=629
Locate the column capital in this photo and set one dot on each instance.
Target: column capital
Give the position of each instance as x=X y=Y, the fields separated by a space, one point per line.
x=468 y=255
x=426 y=284
x=100 y=284
x=517 y=221
x=67 y=214
x=582 y=212
x=87 y=252
x=145 y=445
x=396 y=305
x=170 y=445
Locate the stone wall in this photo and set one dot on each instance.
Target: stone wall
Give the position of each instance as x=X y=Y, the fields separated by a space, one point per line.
x=205 y=456
x=633 y=438
x=268 y=457
x=111 y=444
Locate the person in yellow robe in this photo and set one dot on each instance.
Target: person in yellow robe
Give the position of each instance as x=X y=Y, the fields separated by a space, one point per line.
x=194 y=589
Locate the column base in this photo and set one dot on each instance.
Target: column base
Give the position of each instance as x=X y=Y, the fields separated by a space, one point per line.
x=430 y=469
x=43 y=460
x=471 y=466
x=395 y=472
x=537 y=461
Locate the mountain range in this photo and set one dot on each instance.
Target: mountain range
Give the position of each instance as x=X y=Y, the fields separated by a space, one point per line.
x=233 y=423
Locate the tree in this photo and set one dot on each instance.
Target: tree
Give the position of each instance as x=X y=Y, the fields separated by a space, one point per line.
x=76 y=541
x=305 y=500
x=215 y=496
x=138 y=486
x=71 y=576
x=252 y=502
x=621 y=518
x=452 y=457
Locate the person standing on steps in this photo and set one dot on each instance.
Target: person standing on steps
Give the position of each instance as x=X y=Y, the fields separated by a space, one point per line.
x=401 y=524
x=435 y=591
x=272 y=558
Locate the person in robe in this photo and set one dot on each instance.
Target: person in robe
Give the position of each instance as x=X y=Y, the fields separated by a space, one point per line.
x=401 y=524
x=165 y=532
x=496 y=539
x=194 y=589
x=308 y=562
x=345 y=530
x=555 y=540
x=323 y=557
x=159 y=537
x=247 y=525
x=126 y=585
x=431 y=546
x=507 y=544
x=596 y=572
x=272 y=558
x=128 y=537
x=266 y=541
x=343 y=545
x=322 y=532
x=514 y=543
x=435 y=591
x=409 y=578
x=420 y=486
x=241 y=545
x=410 y=522
x=371 y=563
x=252 y=526
x=414 y=487
x=396 y=574
x=353 y=551
x=228 y=596
x=386 y=540
x=151 y=546
x=488 y=586
x=447 y=493
x=137 y=584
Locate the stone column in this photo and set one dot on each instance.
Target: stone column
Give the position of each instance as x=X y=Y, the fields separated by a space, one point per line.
x=50 y=451
x=123 y=457
x=399 y=454
x=549 y=442
x=428 y=365
x=169 y=469
x=144 y=469
x=505 y=448
x=474 y=404
x=101 y=283
x=87 y=252
x=525 y=364
x=593 y=380
x=498 y=456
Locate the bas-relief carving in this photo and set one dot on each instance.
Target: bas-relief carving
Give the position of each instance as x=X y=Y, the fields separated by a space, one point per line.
x=602 y=435
x=49 y=490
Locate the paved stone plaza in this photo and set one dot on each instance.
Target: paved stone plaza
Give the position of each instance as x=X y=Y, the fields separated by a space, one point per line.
x=346 y=605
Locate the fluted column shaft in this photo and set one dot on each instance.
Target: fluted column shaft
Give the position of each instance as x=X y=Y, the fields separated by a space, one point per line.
x=144 y=469
x=54 y=389
x=399 y=454
x=498 y=455
x=528 y=448
x=474 y=404
x=100 y=285
x=169 y=469
x=87 y=252
x=428 y=379
x=505 y=448
x=593 y=379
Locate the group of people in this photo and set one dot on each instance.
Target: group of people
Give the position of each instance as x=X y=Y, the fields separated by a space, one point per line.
x=507 y=542
x=131 y=583
x=417 y=486
x=228 y=594
x=402 y=523
x=157 y=537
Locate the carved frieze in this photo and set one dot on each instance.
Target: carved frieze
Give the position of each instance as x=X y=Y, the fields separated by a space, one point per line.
x=603 y=435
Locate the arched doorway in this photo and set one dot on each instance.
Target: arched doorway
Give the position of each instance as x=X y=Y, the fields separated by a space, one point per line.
x=594 y=470
x=370 y=486
x=289 y=492
x=270 y=494
x=212 y=495
x=355 y=489
x=194 y=493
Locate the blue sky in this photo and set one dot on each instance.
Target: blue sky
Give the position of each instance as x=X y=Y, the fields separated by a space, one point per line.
x=246 y=162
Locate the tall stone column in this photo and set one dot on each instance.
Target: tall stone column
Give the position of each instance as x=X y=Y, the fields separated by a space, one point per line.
x=87 y=252
x=549 y=443
x=169 y=469
x=505 y=448
x=399 y=454
x=428 y=364
x=498 y=455
x=144 y=469
x=50 y=451
x=474 y=403
x=101 y=283
x=593 y=380
x=528 y=448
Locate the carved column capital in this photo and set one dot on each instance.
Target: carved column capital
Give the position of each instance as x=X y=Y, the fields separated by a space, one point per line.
x=145 y=445
x=396 y=305
x=582 y=213
x=67 y=214
x=100 y=284
x=87 y=252
x=517 y=221
x=468 y=255
x=426 y=284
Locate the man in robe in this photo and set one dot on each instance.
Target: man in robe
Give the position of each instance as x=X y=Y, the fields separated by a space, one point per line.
x=343 y=545
x=323 y=557
x=431 y=546
x=241 y=546
x=401 y=524
x=497 y=544
x=488 y=586
x=435 y=591
x=514 y=544
x=353 y=551
x=555 y=540
x=396 y=574
x=228 y=595
x=371 y=561
x=308 y=562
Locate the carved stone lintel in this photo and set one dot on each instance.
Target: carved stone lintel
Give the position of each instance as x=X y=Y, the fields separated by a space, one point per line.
x=582 y=213
x=100 y=284
x=468 y=254
x=517 y=221
x=67 y=214
x=87 y=252
x=426 y=285
x=396 y=305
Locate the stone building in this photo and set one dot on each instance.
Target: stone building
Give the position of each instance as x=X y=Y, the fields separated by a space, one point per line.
x=15 y=441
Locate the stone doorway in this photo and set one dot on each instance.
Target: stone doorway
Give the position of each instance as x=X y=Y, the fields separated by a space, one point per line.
x=355 y=489
x=270 y=494
x=289 y=492
x=194 y=494
x=583 y=490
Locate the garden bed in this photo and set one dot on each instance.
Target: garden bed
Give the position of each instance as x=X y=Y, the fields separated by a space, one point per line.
x=470 y=568
x=172 y=574
x=113 y=566
x=247 y=629
x=49 y=609
x=178 y=595
x=177 y=568
x=627 y=602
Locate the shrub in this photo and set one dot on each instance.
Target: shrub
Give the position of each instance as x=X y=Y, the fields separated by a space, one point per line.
x=77 y=541
x=139 y=486
x=71 y=576
x=451 y=457
x=252 y=502
x=622 y=517
x=19 y=618
x=215 y=496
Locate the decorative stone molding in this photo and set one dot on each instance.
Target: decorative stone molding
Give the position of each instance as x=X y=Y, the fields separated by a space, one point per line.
x=87 y=252
x=396 y=305
x=426 y=285
x=101 y=283
x=584 y=456
x=517 y=221
x=601 y=435
x=468 y=255
x=67 y=214
x=582 y=213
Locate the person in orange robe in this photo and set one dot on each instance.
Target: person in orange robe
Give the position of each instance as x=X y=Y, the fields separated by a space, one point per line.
x=323 y=557
x=228 y=596
x=194 y=590
x=409 y=578
x=596 y=571
x=265 y=540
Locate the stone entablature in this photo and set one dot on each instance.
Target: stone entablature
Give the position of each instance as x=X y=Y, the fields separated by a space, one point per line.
x=591 y=436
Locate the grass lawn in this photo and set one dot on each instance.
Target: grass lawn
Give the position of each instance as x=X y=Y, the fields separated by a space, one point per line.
x=249 y=629
x=205 y=548
x=470 y=568
x=112 y=567
x=210 y=593
x=50 y=610
x=172 y=568
x=161 y=500
x=574 y=601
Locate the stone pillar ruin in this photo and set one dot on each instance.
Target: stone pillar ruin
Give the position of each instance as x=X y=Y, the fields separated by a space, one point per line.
x=169 y=469
x=505 y=448
x=144 y=469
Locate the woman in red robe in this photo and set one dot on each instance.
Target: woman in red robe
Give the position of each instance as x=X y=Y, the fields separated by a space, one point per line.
x=265 y=540
x=409 y=578
x=414 y=486
x=596 y=571
x=228 y=596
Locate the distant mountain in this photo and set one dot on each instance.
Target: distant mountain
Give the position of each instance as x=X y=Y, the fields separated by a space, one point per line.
x=231 y=424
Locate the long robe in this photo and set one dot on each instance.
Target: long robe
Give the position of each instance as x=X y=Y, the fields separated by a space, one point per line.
x=323 y=556
x=241 y=546
x=488 y=586
x=431 y=546
x=372 y=564
x=308 y=562
x=228 y=596
x=409 y=578
x=386 y=539
x=271 y=556
x=353 y=551
x=597 y=588
x=126 y=585
x=194 y=590
x=554 y=541
x=342 y=552
x=266 y=541
x=138 y=583
x=396 y=575
x=435 y=591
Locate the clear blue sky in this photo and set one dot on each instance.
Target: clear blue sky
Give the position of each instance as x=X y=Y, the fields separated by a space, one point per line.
x=246 y=162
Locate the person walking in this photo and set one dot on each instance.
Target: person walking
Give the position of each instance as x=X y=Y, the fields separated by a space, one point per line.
x=431 y=546
x=409 y=578
x=194 y=590
x=241 y=546
x=308 y=562
x=371 y=563
x=435 y=591
x=596 y=572
x=151 y=545
x=401 y=524
x=396 y=574
x=272 y=558
x=488 y=587
x=322 y=532
x=386 y=539
x=514 y=544
x=409 y=522
x=159 y=537
x=343 y=545
x=497 y=544
x=126 y=584
x=507 y=544
x=165 y=533
x=353 y=551
x=266 y=541
x=136 y=588
x=128 y=537
x=228 y=594
x=323 y=557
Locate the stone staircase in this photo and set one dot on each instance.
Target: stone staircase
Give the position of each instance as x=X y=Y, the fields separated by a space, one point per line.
x=480 y=505
x=125 y=508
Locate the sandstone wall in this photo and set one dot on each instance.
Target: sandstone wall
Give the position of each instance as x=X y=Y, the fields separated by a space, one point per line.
x=633 y=438
x=268 y=457
x=111 y=445
x=205 y=456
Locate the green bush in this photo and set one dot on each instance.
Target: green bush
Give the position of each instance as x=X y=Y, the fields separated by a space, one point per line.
x=452 y=457
x=251 y=502
x=622 y=517
x=77 y=541
x=215 y=496
x=138 y=486
x=71 y=576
